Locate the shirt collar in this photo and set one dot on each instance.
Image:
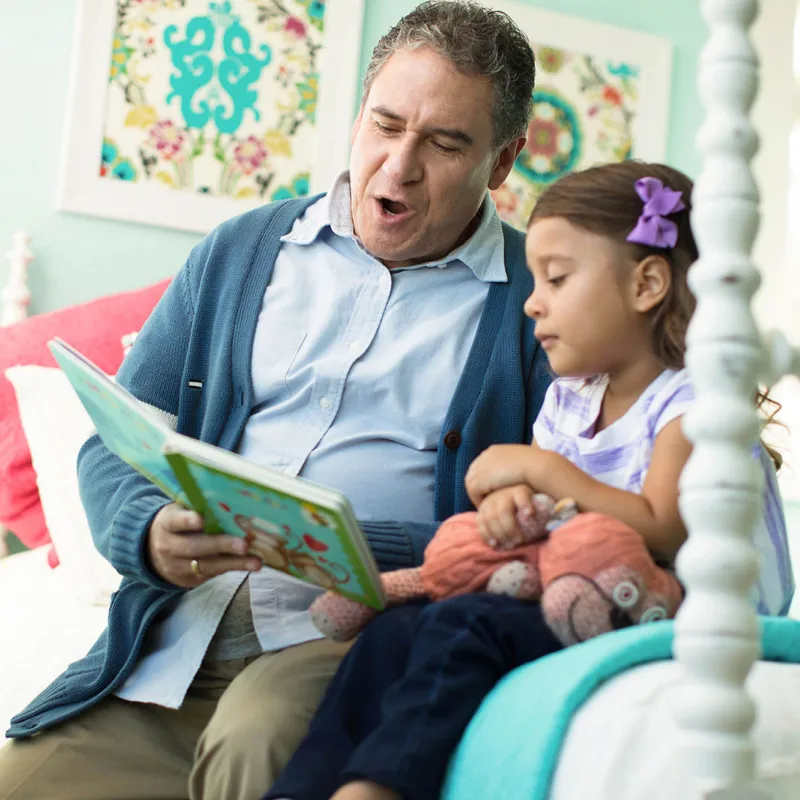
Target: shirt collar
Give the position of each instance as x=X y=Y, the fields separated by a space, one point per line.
x=483 y=253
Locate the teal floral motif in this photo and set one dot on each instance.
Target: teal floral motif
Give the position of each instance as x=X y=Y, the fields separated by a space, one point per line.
x=221 y=13
x=236 y=73
x=112 y=165
x=124 y=170
x=316 y=12
x=554 y=139
x=622 y=70
x=109 y=152
x=299 y=188
x=194 y=73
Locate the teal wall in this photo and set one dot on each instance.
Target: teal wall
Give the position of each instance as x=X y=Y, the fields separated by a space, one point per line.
x=79 y=257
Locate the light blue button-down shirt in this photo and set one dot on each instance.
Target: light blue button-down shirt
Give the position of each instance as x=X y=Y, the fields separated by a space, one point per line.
x=354 y=367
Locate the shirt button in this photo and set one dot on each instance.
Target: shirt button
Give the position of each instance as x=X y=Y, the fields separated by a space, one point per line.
x=355 y=345
x=452 y=440
x=324 y=402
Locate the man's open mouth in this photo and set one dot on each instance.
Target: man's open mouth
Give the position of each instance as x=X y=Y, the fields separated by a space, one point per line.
x=393 y=207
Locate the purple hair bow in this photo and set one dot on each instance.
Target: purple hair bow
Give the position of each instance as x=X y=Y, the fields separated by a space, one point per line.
x=653 y=228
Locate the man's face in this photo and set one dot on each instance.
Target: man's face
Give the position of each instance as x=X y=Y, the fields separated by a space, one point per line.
x=422 y=158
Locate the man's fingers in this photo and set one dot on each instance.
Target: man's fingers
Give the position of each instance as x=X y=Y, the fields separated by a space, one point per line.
x=213 y=566
x=175 y=519
x=202 y=545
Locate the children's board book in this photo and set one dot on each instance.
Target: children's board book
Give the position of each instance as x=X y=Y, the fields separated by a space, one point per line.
x=298 y=527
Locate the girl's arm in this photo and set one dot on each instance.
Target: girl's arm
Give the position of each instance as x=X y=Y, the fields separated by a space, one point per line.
x=653 y=513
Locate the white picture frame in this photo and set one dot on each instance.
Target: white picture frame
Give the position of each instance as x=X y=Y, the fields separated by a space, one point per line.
x=82 y=190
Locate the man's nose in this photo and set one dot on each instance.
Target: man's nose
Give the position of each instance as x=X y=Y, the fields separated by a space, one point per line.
x=403 y=162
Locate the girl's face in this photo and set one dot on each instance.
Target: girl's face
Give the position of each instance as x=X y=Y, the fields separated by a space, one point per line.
x=584 y=301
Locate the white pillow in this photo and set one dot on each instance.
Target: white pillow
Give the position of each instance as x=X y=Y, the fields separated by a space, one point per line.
x=56 y=426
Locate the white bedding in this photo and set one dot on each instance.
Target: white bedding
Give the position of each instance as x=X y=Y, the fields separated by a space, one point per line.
x=621 y=745
x=43 y=627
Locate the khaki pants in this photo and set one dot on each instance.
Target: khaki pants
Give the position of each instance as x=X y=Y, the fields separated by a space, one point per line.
x=237 y=728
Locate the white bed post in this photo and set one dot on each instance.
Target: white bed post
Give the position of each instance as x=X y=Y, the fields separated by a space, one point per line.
x=16 y=296
x=717 y=635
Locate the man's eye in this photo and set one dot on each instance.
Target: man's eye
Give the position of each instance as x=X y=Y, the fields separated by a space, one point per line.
x=557 y=281
x=383 y=128
x=444 y=149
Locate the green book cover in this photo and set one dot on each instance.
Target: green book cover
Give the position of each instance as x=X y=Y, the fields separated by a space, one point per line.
x=295 y=526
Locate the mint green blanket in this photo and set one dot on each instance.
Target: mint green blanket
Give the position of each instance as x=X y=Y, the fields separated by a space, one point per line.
x=511 y=747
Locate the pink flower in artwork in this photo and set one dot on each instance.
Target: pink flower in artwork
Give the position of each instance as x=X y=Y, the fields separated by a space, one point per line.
x=250 y=154
x=167 y=138
x=295 y=27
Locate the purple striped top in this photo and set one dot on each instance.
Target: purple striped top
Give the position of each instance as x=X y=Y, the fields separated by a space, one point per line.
x=620 y=455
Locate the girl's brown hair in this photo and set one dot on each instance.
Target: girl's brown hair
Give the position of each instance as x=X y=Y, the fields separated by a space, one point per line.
x=603 y=200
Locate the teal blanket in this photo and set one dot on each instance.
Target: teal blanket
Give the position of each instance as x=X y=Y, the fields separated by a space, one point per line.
x=510 y=749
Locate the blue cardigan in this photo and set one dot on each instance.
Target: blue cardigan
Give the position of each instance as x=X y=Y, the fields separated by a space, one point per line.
x=202 y=332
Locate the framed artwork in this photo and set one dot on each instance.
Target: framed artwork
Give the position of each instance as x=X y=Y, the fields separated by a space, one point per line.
x=602 y=94
x=184 y=113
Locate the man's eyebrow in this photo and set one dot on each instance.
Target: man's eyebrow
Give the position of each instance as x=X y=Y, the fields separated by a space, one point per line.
x=451 y=133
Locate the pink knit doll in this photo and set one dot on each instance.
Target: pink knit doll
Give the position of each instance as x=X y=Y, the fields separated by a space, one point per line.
x=591 y=574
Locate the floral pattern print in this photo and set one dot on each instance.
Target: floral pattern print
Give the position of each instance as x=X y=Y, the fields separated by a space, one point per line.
x=113 y=165
x=583 y=114
x=215 y=98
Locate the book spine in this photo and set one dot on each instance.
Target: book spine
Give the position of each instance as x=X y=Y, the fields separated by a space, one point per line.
x=194 y=496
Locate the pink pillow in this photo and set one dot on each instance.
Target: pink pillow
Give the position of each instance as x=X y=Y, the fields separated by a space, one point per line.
x=96 y=329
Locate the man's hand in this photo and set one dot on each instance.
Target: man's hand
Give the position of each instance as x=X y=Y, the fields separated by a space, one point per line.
x=499 y=466
x=176 y=538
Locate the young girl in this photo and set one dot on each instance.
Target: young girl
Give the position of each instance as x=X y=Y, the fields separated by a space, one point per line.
x=609 y=249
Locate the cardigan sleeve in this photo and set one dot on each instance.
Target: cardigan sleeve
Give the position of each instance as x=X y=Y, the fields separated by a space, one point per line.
x=397 y=545
x=120 y=503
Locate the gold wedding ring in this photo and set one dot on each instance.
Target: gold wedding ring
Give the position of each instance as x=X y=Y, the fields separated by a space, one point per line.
x=196 y=568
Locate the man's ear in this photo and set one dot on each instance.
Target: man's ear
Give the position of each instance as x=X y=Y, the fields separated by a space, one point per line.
x=504 y=161
x=650 y=283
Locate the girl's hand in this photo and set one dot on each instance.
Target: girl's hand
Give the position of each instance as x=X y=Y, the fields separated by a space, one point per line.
x=497 y=516
x=499 y=466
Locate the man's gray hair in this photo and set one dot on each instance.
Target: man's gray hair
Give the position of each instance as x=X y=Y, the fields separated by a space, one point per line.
x=477 y=41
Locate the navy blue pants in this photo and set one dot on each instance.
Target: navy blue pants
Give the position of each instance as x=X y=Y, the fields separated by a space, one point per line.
x=404 y=694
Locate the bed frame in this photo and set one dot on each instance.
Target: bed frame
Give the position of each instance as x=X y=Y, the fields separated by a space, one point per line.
x=717 y=634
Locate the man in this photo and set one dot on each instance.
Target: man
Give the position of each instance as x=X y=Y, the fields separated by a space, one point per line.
x=372 y=340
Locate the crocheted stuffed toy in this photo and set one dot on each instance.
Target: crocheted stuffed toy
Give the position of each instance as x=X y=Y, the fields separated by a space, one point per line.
x=591 y=573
